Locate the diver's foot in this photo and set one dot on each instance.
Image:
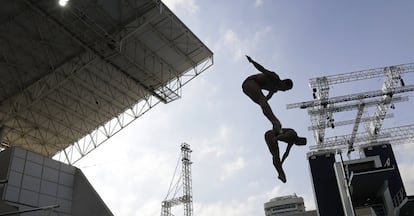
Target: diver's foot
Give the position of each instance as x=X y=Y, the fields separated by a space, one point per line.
x=301 y=141
x=282 y=175
x=282 y=178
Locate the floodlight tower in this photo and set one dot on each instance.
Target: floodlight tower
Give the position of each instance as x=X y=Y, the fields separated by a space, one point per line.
x=187 y=199
x=322 y=108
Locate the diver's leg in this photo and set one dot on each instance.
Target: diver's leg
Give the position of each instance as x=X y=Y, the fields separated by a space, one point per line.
x=274 y=150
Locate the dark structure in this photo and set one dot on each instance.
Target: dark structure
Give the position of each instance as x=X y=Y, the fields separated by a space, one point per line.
x=37 y=183
x=372 y=182
x=73 y=73
x=71 y=77
x=328 y=200
x=370 y=185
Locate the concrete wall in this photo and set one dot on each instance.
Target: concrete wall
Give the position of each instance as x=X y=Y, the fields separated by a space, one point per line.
x=37 y=181
x=85 y=199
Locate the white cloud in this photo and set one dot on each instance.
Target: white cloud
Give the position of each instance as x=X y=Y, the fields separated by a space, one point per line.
x=258 y=3
x=216 y=145
x=141 y=175
x=403 y=154
x=406 y=171
x=238 y=44
x=252 y=205
x=234 y=208
x=149 y=208
x=232 y=168
x=186 y=5
x=276 y=191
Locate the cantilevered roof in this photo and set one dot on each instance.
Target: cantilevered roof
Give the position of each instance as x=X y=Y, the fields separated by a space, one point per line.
x=71 y=77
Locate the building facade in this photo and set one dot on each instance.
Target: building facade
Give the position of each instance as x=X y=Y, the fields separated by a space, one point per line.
x=284 y=205
x=371 y=185
x=38 y=186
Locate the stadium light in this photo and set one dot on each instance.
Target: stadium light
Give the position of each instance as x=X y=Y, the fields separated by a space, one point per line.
x=63 y=3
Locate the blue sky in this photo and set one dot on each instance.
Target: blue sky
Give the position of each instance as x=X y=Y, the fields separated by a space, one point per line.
x=232 y=171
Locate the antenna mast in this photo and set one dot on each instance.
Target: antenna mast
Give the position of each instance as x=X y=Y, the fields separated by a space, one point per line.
x=187 y=198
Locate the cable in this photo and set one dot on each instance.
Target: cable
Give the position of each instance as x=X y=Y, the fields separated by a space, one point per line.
x=172 y=180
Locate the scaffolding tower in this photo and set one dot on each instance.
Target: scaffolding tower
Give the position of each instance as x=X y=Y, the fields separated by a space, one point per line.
x=371 y=181
x=184 y=183
x=322 y=108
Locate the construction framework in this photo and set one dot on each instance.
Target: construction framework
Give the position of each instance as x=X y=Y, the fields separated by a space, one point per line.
x=71 y=77
x=183 y=183
x=369 y=181
x=322 y=109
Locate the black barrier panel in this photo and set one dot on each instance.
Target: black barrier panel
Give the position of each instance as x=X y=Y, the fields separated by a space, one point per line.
x=325 y=185
x=386 y=154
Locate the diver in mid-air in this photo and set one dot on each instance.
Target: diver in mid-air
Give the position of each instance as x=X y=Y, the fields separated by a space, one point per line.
x=288 y=136
x=267 y=80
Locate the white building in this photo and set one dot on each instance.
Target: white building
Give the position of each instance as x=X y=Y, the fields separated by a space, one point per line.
x=284 y=205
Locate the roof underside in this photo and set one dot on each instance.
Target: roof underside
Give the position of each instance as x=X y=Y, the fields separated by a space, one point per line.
x=67 y=72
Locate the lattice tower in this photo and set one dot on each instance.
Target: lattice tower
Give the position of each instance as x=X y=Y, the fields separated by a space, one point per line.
x=183 y=182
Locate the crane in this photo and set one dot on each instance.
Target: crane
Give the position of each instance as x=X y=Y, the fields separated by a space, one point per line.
x=322 y=108
x=184 y=183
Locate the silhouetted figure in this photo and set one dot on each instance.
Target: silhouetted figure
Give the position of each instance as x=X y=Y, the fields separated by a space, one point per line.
x=267 y=80
x=288 y=136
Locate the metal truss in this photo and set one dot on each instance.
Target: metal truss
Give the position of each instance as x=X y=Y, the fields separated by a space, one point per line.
x=396 y=135
x=88 y=143
x=81 y=75
x=348 y=98
x=350 y=121
x=354 y=105
x=362 y=75
x=187 y=199
x=322 y=108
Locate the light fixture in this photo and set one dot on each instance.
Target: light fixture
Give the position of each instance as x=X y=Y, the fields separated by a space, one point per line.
x=63 y=3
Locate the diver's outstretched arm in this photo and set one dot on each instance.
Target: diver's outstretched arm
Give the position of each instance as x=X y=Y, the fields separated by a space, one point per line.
x=259 y=66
